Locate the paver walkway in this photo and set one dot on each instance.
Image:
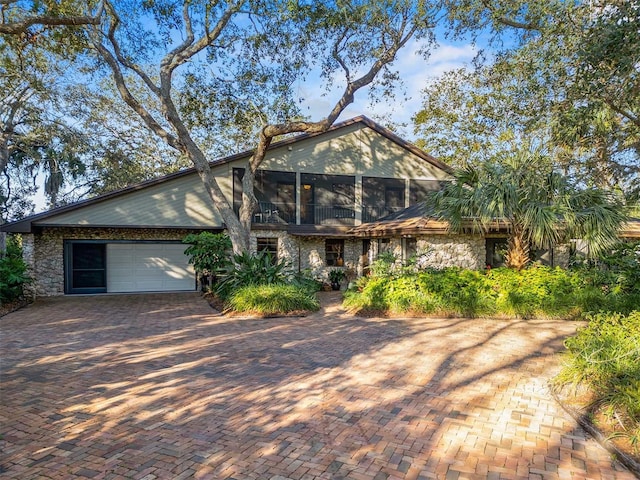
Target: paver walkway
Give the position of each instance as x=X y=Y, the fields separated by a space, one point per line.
x=156 y=386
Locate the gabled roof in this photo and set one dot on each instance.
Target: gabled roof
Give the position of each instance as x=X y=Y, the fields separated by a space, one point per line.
x=25 y=225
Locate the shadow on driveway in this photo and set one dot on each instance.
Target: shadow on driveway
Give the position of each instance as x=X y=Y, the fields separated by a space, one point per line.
x=157 y=386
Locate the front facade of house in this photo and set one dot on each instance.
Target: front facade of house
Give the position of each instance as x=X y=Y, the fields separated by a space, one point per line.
x=312 y=191
x=317 y=194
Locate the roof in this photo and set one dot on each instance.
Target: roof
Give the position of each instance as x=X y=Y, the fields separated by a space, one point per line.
x=25 y=225
x=324 y=231
x=410 y=221
x=418 y=219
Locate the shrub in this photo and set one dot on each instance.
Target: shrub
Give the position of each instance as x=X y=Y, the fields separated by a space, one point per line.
x=605 y=357
x=305 y=281
x=272 y=299
x=249 y=269
x=384 y=265
x=13 y=273
x=534 y=292
x=460 y=292
x=208 y=253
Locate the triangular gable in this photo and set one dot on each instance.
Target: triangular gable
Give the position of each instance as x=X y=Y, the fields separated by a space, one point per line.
x=357 y=146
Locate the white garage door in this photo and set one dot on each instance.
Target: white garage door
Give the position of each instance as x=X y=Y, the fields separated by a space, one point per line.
x=148 y=267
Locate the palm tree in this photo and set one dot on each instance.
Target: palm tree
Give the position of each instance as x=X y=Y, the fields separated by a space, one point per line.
x=539 y=206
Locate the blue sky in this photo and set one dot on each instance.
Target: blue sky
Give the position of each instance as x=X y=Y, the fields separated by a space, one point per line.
x=416 y=73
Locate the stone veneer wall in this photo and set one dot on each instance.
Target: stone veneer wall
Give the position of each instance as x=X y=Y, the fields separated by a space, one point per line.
x=308 y=253
x=439 y=251
x=466 y=251
x=313 y=258
x=45 y=252
x=562 y=255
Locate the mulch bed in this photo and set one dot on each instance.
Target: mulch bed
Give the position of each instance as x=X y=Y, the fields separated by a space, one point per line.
x=7 y=308
x=578 y=403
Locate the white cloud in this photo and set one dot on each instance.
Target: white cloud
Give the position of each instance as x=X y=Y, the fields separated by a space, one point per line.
x=416 y=73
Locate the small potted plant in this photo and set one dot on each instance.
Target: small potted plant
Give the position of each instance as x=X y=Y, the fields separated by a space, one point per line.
x=336 y=275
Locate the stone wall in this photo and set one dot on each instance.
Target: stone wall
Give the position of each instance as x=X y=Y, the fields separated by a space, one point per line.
x=440 y=251
x=46 y=258
x=313 y=258
x=562 y=255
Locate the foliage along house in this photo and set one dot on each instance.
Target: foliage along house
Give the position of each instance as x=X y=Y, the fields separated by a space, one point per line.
x=321 y=197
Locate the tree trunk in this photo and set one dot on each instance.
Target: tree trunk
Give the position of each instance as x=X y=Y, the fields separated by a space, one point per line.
x=518 y=251
x=238 y=234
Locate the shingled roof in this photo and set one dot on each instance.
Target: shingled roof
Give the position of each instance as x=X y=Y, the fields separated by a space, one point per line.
x=419 y=219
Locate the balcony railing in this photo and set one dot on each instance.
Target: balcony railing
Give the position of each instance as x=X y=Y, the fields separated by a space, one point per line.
x=273 y=212
x=317 y=214
x=320 y=214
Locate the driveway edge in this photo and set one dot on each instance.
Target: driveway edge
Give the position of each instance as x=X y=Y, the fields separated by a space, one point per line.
x=622 y=457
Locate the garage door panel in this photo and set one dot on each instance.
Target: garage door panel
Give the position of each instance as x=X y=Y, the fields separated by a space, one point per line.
x=148 y=268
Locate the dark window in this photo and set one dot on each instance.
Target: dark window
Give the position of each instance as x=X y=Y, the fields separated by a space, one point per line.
x=381 y=197
x=420 y=189
x=238 y=173
x=327 y=199
x=333 y=250
x=270 y=246
x=496 y=250
x=86 y=267
x=410 y=248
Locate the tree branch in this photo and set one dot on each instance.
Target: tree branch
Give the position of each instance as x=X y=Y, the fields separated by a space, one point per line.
x=508 y=21
x=130 y=100
x=628 y=115
x=121 y=58
x=16 y=28
x=187 y=49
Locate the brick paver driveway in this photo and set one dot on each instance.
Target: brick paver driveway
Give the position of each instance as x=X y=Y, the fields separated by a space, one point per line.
x=157 y=386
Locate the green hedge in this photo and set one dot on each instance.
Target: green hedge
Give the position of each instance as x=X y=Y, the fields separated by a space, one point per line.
x=13 y=272
x=534 y=292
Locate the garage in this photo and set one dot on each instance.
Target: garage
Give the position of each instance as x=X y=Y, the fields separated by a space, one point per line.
x=125 y=267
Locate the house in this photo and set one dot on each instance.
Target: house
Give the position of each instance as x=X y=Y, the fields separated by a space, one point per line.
x=329 y=200
x=312 y=190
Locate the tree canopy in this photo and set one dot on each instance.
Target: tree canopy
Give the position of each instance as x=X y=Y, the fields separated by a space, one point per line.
x=567 y=74
x=192 y=69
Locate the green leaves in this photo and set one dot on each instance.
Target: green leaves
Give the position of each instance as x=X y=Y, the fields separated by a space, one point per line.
x=208 y=252
x=541 y=207
x=571 y=81
x=13 y=273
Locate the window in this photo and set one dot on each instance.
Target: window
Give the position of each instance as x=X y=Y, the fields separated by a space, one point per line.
x=410 y=248
x=270 y=246
x=85 y=267
x=333 y=250
x=496 y=249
